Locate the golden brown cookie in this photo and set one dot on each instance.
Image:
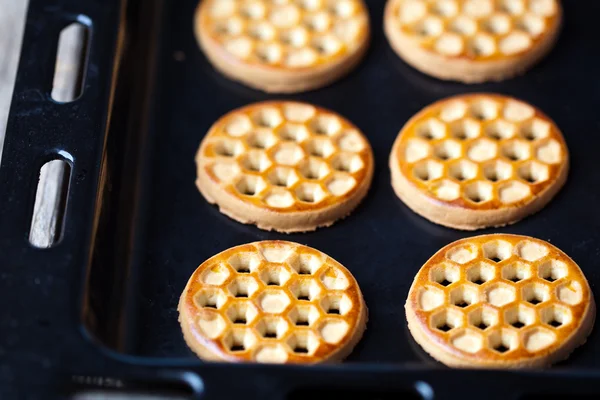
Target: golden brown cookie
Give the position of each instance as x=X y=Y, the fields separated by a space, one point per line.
x=500 y=301
x=472 y=40
x=478 y=160
x=283 y=46
x=284 y=166
x=272 y=302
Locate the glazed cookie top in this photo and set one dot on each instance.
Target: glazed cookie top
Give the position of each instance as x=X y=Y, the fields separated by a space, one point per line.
x=477 y=30
x=286 y=157
x=274 y=302
x=481 y=152
x=499 y=299
x=286 y=34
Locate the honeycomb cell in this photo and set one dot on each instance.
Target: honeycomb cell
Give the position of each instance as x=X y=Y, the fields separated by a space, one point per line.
x=279 y=198
x=513 y=7
x=428 y=170
x=497 y=24
x=482 y=150
x=430 y=298
x=250 y=185
x=240 y=47
x=481 y=45
x=464 y=296
x=545 y=8
x=306 y=263
x=261 y=139
x=497 y=170
x=480 y=273
x=210 y=298
x=497 y=250
x=429 y=27
x=515 y=42
x=445 y=274
x=519 y=316
x=463 y=25
x=513 y=191
x=483 y=317
x=416 y=150
x=517 y=111
x=255 y=161
x=310 y=193
x=241 y=312
x=465 y=129
x=304 y=315
x=287 y=153
x=447 y=320
x=276 y=254
x=303 y=343
x=305 y=289
x=333 y=330
x=503 y=341
x=531 y=251
x=570 y=293
x=215 y=275
x=484 y=109
x=516 y=150
x=270 y=327
x=319 y=147
x=262 y=31
x=445 y=8
x=456 y=110
x=533 y=172
x=298 y=113
x=292 y=132
x=273 y=301
x=336 y=304
x=267 y=117
x=447 y=150
x=351 y=141
x=227 y=147
x=537 y=339
x=552 y=270
x=535 y=293
x=225 y=171
x=549 y=152
x=283 y=177
x=211 y=324
x=446 y=190
x=340 y=184
x=516 y=271
x=468 y=341
x=274 y=353
x=239 y=340
x=535 y=129
x=463 y=170
x=450 y=44
x=334 y=279
x=275 y=275
x=478 y=8
x=431 y=129
x=500 y=130
x=462 y=254
x=222 y=9
x=556 y=316
x=318 y=22
x=243 y=286
x=479 y=192
x=324 y=124
x=238 y=125
x=244 y=263
x=269 y=53
x=313 y=169
x=499 y=294
x=347 y=162
x=303 y=57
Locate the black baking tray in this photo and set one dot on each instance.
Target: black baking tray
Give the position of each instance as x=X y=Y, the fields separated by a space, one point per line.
x=98 y=310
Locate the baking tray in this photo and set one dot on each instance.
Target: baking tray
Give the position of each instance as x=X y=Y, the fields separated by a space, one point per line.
x=98 y=310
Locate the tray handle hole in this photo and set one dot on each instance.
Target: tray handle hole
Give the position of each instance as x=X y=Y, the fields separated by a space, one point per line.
x=71 y=61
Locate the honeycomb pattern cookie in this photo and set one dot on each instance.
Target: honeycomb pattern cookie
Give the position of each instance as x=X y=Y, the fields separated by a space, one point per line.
x=283 y=46
x=472 y=40
x=500 y=301
x=478 y=160
x=284 y=166
x=272 y=302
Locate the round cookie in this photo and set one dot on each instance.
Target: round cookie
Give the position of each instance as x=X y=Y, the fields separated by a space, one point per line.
x=283 y=46
x=272 y=302
x=478 y=160
x=500 y=301
x=472 y=41
x=284 y=166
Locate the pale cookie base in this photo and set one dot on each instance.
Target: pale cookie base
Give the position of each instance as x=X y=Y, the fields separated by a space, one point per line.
x=206 y=354
x=578 y=338
x=299 y=221
x=271 y=80
x=468 y=219
x=463 y=69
